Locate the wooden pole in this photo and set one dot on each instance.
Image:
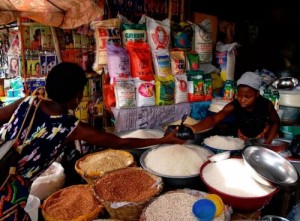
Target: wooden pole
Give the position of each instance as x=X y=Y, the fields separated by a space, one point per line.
x=56 y=44
x=170 y=10
x=23 y=60
x=182 y=11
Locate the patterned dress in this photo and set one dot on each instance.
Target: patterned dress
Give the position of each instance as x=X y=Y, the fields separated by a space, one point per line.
x=43 y=146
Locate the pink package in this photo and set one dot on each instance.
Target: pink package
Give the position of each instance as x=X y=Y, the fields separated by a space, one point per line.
x=118 y=63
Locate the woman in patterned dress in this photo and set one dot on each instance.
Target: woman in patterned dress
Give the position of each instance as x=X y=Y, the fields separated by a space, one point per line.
x=52 y=128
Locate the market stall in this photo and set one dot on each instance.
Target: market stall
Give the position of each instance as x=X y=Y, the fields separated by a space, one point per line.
x=146 y=69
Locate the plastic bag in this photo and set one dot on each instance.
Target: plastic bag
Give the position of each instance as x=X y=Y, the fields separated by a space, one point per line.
x=49 y=182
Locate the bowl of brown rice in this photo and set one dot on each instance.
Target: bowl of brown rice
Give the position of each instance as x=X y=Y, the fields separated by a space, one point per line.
x=73 y=203
x=125 y=192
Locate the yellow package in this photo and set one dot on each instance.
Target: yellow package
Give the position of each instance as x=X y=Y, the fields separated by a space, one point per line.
x=164 y=90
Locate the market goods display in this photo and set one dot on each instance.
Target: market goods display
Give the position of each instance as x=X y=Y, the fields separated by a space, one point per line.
x=176 y=205
x=94 y=165
x=235 y=186
x=73 y=203
x=125 y=192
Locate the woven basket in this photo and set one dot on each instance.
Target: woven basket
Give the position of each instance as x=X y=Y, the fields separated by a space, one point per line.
x=63 y=197
x=126 y=209
x=109 y=157
x=196 y=193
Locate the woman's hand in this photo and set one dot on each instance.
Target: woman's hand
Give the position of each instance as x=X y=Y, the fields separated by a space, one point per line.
x=170 y=138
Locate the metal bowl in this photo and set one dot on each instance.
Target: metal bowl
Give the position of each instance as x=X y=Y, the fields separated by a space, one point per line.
x=276 y=145
x=268 y=167
x=273 y=218
x=285 y=83
x=191 y=181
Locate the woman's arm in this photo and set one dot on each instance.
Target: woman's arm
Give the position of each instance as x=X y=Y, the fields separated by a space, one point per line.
x=212 y=121
x=93 y=136
x=274 y=124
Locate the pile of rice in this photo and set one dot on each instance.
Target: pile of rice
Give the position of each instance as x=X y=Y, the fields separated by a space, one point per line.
x=224 y=142
x=174 y=205
x=140 y=133
x=176 y=160
x=231 y=176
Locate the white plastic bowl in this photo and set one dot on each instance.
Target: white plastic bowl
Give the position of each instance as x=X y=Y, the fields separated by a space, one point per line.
x=220 y=156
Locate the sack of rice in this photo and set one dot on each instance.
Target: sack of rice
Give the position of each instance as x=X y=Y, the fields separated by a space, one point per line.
x=125 y=192
x=94 y=165
x=176 y=205
x=50 y=181
x=73 y=203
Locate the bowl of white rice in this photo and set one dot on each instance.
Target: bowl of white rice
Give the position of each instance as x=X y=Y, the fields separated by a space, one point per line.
x=219 y=144
x=231 y=181
x=141 y=133
x=178 y=164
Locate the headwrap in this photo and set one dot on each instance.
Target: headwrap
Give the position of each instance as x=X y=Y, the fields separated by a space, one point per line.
x=250 y=79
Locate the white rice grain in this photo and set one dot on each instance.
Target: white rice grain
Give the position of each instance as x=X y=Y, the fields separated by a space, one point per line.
x=230 y=176
x=224 y=142
x=140 y=133
x=176 y=160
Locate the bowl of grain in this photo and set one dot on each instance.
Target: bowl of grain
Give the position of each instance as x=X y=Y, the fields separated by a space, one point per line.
x=219 y=144
x=176 y=205
x=177 y=164
x=73 y=203
x=231 y=181
x=125 y=192
x=141 y=133
x=91 y=166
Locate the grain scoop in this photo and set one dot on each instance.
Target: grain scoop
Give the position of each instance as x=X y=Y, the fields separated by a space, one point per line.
x=184 y=132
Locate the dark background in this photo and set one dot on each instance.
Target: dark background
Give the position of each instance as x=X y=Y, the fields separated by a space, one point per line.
x=276 y=47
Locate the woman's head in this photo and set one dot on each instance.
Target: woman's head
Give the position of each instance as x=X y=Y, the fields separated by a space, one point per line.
x=246 y=96
x=65 y=82
x=37 y=66
x=13 y=62
x=37 y=34
x=248 y=89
